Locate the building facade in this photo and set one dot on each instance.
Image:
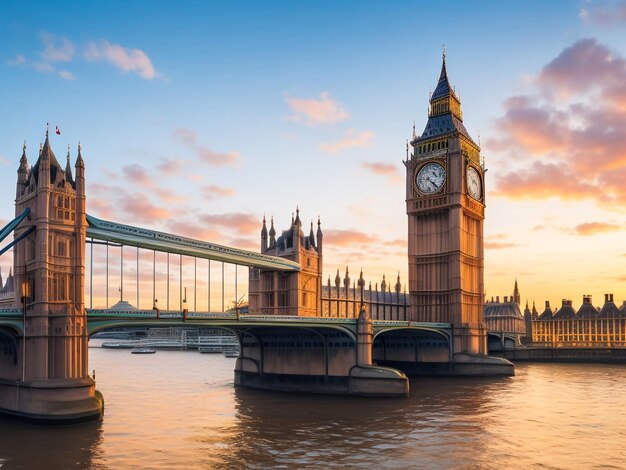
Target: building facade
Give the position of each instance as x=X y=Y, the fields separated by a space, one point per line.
x=288 y=293
x=588 y=327
x=445 y=205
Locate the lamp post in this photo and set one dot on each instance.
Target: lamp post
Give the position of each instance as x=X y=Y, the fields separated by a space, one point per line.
x=25 y=291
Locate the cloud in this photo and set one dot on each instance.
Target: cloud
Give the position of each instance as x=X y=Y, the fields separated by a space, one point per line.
x=169 y=167
x=125 y=59
x=340 y=238
x=238 y=222
x=565 y=137
x=138 y=175
x=313 y=111
x=384 y=169
x=139 y=208
x=19 y=60
x=213 y=191
x=499 y=245
x=189 y=138
x=64 y=74
x=595 y=228
x=604 y=15
x=57 y=48
x=351 y=139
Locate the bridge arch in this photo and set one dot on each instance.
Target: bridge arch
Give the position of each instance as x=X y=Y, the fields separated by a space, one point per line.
x=412 y=350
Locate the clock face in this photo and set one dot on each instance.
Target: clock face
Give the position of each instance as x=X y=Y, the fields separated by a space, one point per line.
x=430 y=178
x=474 y=188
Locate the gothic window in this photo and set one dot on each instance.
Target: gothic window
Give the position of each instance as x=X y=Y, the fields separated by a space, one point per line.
x=61 y=248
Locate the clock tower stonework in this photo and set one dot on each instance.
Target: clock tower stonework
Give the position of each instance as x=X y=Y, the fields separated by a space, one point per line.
x=445 y=205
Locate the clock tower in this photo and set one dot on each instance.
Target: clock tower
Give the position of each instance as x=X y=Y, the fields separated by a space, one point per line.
x=445 y=204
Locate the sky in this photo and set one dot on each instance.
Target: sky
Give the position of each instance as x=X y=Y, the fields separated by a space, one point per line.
x=199 y=118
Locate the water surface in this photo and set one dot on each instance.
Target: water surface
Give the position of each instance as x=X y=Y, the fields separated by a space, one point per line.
x=179 y=409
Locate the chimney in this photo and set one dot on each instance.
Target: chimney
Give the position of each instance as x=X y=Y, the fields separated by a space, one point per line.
x=586 y=299
x=547 y=304
x=497 y=298
x=610 y=297
x=606 y=298
x=506 y=299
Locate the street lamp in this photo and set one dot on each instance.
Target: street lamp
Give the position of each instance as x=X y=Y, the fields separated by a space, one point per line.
x=25 y=291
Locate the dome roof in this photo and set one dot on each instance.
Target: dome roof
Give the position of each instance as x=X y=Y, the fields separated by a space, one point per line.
x=504 y=309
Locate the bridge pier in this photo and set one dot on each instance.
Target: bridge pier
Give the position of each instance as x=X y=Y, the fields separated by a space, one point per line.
x=316 y=360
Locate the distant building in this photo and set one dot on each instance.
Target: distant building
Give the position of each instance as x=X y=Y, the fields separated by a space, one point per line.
x=274 y=292
x=7 y=291
x=589 y=327
x=505 y=321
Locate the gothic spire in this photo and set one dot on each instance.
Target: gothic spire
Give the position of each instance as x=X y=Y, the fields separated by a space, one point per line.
x=79 y=159
x=68 y=168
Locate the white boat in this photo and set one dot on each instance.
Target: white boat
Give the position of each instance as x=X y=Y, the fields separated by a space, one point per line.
x=143 y=350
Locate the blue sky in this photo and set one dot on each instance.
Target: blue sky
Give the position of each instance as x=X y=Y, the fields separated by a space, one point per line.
x=198 y=118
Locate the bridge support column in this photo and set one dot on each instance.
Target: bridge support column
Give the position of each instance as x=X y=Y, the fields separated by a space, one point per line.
x=366 y=379
x=316 y=359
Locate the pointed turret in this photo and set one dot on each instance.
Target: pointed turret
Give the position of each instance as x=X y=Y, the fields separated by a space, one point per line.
x=346 y=279
x=398 y=284
x=68 y=169
x=264 y=237
x=320 y=236
x=272 y=233
x=444 y=113
x=516 y=296
x=312 y=236
x=383 y=284
x=534 y=313
x=22 y=174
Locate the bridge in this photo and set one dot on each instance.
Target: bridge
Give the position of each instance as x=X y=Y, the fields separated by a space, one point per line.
x=46 y=324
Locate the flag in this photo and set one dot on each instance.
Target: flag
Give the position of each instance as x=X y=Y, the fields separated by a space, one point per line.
x=58 y=131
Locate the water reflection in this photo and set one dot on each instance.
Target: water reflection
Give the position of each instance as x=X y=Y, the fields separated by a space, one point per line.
x=29 y=446
x=275 y=429
x=179 y=409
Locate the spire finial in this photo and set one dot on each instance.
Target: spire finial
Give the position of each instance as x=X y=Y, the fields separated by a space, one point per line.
x=444 y=52
x=79 y=147
x=68 y=154
x=24 y=148
x=47 y=130
x=414 y=130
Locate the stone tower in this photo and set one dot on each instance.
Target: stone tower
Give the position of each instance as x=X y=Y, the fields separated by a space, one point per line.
x=445 y=204
x=51 y=260
x=289 y=293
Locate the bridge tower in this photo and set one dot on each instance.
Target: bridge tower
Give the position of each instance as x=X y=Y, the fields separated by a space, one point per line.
x=53 y=382
x=445 y=204
x=297 y=293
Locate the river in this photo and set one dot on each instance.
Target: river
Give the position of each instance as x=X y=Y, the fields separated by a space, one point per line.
x=179 y=409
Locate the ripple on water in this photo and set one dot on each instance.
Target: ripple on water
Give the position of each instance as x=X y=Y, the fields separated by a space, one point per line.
x=178 y=409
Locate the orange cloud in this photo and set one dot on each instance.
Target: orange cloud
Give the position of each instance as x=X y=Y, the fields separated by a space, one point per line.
x=125 y=59
x=384 y=169
x=213 y=191
x=594 y=228
x=189 y=138
x=313 y=111
x=340 y=238
x=568 y=149
x=241 y=223
x=499 y=245
x=138 y=175
x=351 y=139
x=138 y=207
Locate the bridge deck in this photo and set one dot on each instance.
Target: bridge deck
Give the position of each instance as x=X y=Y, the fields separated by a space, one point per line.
x=168 y=243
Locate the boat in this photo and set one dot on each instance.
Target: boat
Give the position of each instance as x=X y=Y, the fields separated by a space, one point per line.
x=209 y=349
x=110 y=345
x=143 y=350
x=231 y=354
